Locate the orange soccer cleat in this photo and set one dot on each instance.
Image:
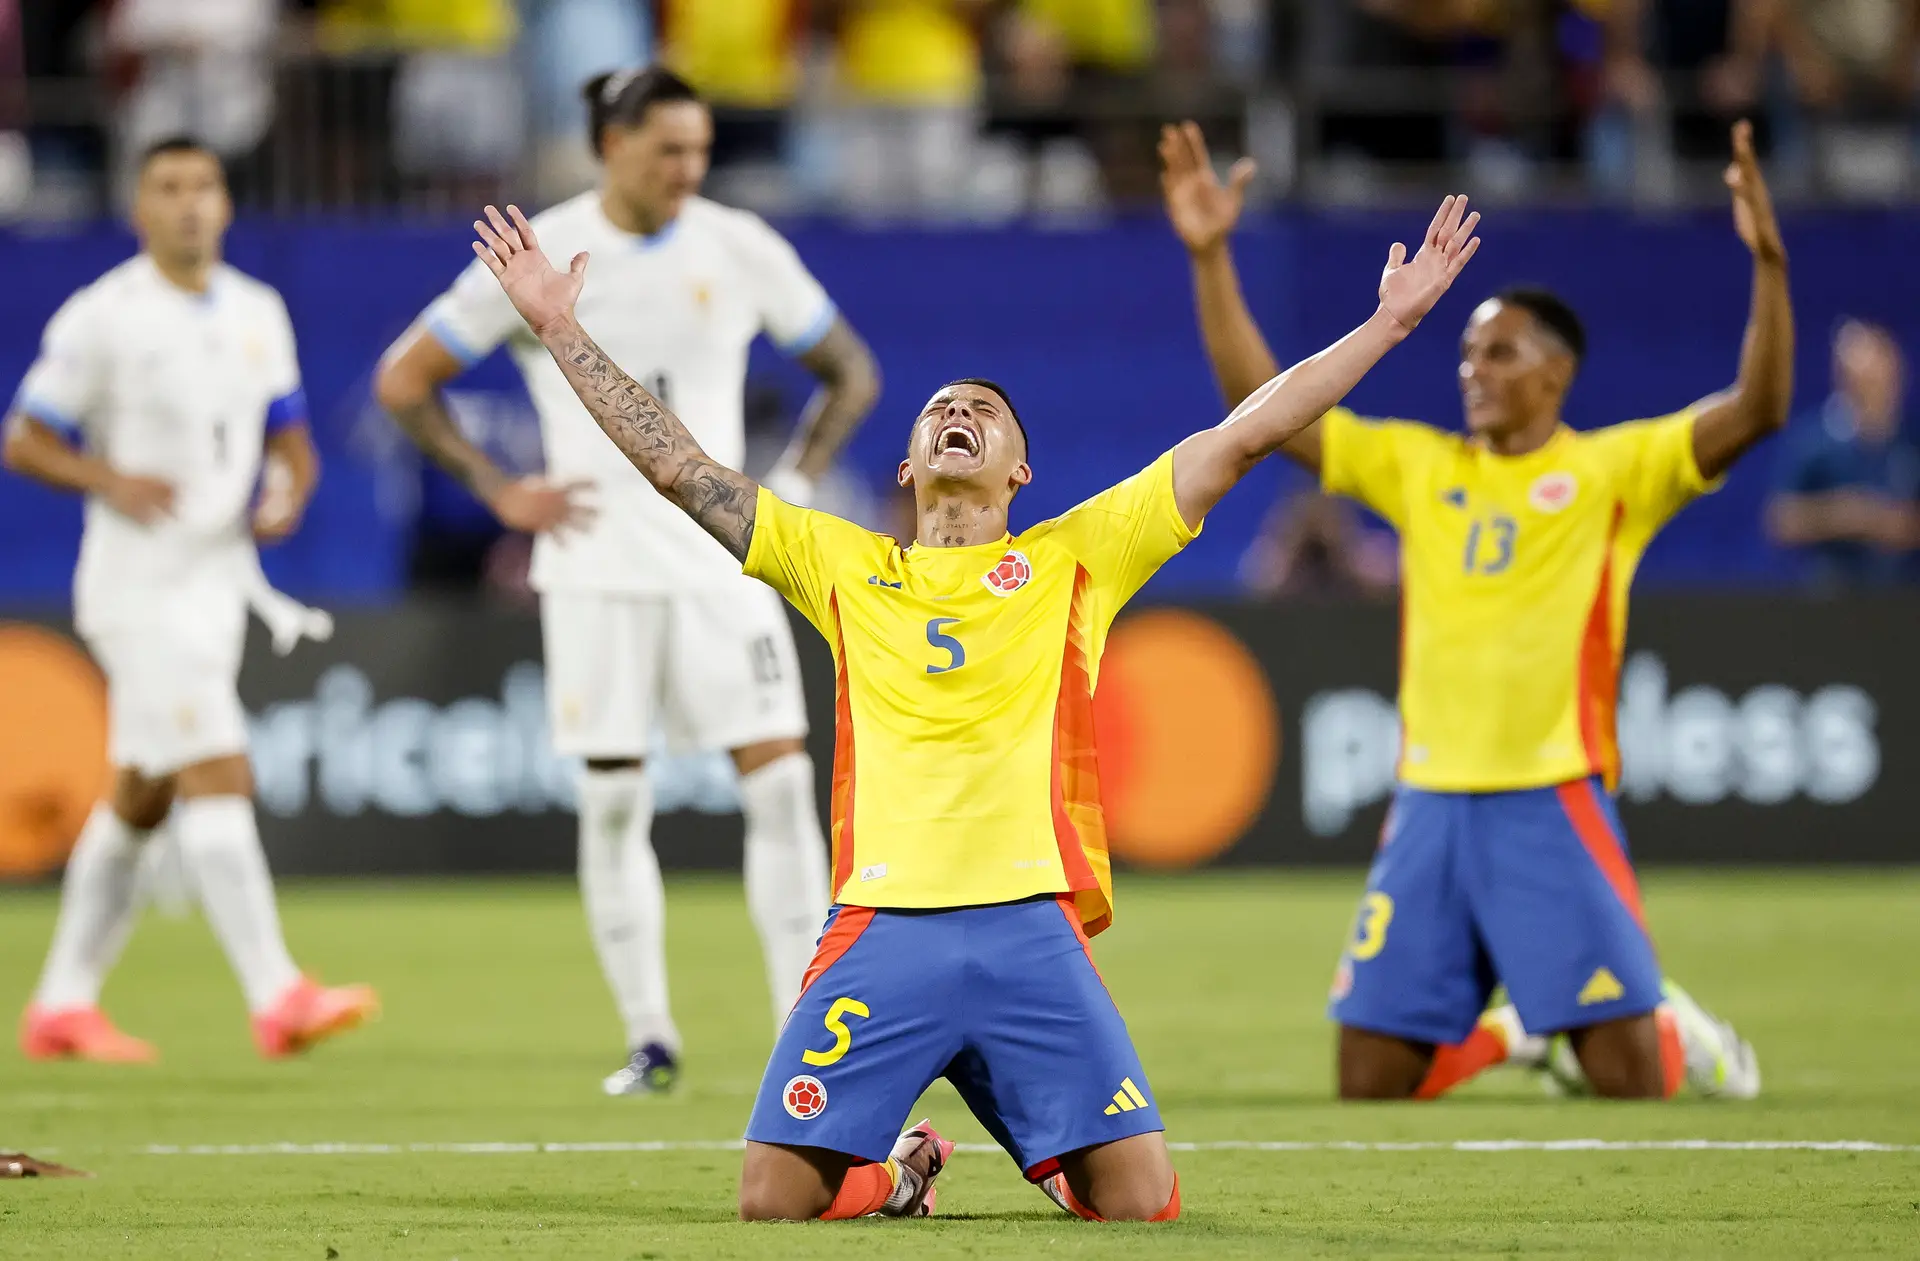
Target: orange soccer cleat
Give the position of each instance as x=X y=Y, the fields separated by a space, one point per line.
x=309 y=1012
x=80 y=1033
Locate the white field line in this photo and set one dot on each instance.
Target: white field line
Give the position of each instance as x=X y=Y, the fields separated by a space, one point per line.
x=731 y=1145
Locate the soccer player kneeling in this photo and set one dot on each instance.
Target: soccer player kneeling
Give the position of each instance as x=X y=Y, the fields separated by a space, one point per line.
x=969 y=854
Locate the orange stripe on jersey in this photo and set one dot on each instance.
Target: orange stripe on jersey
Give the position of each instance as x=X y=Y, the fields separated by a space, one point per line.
x=1078 y=824
x=840 y=812
x=836 y=941
x=1599 y=678
x=1582 y=804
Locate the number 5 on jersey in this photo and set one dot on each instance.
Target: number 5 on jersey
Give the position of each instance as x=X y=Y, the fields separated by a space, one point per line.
x=837 y=1026
x=955 y=650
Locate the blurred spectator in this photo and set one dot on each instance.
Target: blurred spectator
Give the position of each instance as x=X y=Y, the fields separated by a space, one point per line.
x=1501 y=85
x=66 y=130
x=1313 y=544
x=457 y=109
x=200 y=68
x=1077 y=94
x=1676 y=77
x=1849 y=487
x=744 y=57
x=910 y=74
x=1851 y=67
x=16 y=165
x=567 y=42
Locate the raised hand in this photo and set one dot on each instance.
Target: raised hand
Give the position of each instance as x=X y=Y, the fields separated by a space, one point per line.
x=1753 y=216
x=1203 y=210
x=1410 y=286
x=543 y=295
x=537 y=506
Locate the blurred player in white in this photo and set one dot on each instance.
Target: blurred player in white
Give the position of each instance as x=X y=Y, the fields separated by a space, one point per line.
x=645 y=618
x=158 y=389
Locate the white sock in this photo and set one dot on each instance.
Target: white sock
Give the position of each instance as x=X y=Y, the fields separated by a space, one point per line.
x=786 y=869
x=97 y=910
x=626 y=907
x=221 y=845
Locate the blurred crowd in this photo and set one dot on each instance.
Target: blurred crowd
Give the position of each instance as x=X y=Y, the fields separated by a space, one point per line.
x=969 y=109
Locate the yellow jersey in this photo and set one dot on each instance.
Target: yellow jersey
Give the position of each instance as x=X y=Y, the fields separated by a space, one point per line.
x=964 y=770
x=740 y=52
x=909 y=52
x=1514 y=575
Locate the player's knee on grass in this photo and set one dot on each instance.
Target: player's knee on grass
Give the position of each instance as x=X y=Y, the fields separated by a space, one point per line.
x=788 y=1184
x=230 y=776
x=1379 y=1066
x=1621 y=1058
x=1128 y=1180
x=142 y=801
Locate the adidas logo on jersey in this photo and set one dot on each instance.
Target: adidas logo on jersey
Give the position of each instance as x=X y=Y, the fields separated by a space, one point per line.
x=1126 y=1099
x=876 y=580
x=1602 y=987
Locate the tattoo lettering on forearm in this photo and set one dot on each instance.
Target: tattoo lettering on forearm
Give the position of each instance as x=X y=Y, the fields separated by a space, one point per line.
x=720 y=499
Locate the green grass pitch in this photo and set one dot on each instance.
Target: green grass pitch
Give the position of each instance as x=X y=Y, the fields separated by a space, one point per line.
x=497 y=1030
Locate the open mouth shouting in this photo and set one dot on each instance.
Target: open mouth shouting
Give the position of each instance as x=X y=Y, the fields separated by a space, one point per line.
x=956 y=437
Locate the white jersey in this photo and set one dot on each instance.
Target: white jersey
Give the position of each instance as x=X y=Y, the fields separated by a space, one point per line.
x=677 y=312
x=181 y=386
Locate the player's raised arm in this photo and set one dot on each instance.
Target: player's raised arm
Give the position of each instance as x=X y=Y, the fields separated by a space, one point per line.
x=1207 y=465
x=1755 y=405
x=1204 y=212
x=649 y=435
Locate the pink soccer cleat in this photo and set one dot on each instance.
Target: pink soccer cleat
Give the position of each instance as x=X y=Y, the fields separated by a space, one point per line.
x=921 y=1154
x=309 y=1012
x=80 y=1033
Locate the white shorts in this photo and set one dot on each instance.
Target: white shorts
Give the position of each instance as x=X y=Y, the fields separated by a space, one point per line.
x=715 y=667
x=172 y=699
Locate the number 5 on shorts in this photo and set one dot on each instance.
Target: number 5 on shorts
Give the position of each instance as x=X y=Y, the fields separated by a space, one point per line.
x=842 y=1036
x=1370 y=931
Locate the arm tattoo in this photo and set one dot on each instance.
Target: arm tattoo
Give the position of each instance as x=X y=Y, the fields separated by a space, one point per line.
x=433 y=430
x=720 y=499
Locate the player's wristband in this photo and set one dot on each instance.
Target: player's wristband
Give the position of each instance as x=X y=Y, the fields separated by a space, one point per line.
x=790 y=484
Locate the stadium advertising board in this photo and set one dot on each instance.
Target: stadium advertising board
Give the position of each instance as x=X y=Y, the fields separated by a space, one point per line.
x=1752 y=730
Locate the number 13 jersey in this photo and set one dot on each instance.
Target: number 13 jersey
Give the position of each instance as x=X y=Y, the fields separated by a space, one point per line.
x=1514 y=578
x=964 y=768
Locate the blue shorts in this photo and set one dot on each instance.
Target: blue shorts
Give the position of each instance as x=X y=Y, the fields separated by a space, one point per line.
x=1003 y=1001
x=1530 y=889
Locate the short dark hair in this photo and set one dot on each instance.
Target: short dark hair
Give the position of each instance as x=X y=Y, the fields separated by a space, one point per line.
x=623 y=97
x=179 y=144
x=988 y=384
x=1553 y=313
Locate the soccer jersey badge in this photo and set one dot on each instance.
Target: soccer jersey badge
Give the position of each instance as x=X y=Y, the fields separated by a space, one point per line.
x=1012 y=573
x=805 y=1097
x=1551 y=492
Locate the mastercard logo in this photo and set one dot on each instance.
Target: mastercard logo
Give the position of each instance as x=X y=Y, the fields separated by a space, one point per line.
x=1189 y=738
x=53 y=747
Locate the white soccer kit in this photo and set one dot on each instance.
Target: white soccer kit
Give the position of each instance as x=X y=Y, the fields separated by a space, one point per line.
x=645 y=617
x=184 y=387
